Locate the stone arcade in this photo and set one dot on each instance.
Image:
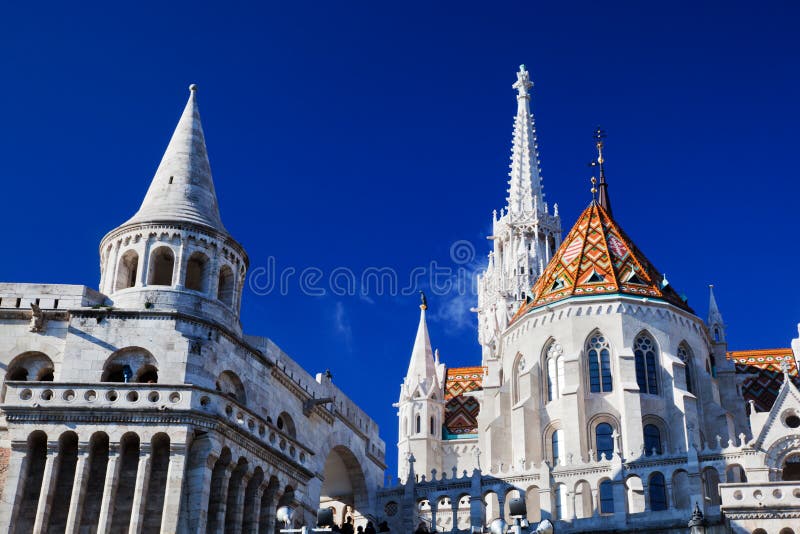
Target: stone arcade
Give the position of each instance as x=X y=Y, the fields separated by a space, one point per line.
x=144 y=408
x=601 y=398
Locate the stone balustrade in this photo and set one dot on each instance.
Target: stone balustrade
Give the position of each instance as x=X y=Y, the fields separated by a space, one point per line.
x=757 y=496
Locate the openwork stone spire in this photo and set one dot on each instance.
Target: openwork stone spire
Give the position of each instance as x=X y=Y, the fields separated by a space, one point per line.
x=182 y=189
x=525 y=182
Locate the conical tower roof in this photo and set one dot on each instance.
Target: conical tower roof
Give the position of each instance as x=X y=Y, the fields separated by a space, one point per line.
x=598 y=258
x=422 y=366
x=182 y=189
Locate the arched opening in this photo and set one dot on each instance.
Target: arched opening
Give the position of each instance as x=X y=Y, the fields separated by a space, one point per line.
x=98 y=463
x=554 y=367
x=31 y=366
x=235 y=496
x=67 y=461
x=491 y=506
x=127 y=269
x=197 y=272
x=652 y=439
x=735 y=473
x=711 y=486
x=634 y=490
x=511 y=493
x=225 y=286
x=516 y=374
x=231 y=385
x=157 y=484
x=251 y=507
x=560 y=501
x=791 y=468
x=646 y=361
x=606 y=496
x=31 y=482
x=557 y=446
x=604 y=441
x=598 y=354
x=344 y=487
x=131 y=364
x=583 y=500
x=285 y=423
x=463 y=510
x=217 y=494
x=685 y=355
x=162 y=265
x=681 y=493
x=419 y=425
x=533 y=504
x=126 y=483
x=657 y=489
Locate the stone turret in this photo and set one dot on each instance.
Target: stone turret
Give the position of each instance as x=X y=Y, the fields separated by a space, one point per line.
x=175 y=253
x=421 y=405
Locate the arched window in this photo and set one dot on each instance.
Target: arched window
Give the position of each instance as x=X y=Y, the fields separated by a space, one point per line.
x=560 y=498
x=716 y=334
x=599 y=364
x=555 y=371
x=196 y=275
x=685 y=355
x=791 y=468
x=419 y=425
x=652 y=439
x=606 y=497
x=433 y=427
x=225 y=285
x=126 y=270
x=131 y=364
x=30 y=367
x=231 y=385
x=285 y=423
x=557 y=443
x=518 y=369
x=644 y=351
x=162 y=263
x=604 y=440
x=658 y=492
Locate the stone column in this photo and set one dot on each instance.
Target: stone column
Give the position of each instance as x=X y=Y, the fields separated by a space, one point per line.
x=238 y=511
x=109 y=488
x=198 y=486
x=144 y=264
x=454 y=507
x=178 y=271
x=48 y=486
x=267 y=513
x=79 y=486
x=15 y=485
x=434 y=509
x=595 y=493
x=501 y=505
x=223 y=502
x=174 y=490
x=140 y=491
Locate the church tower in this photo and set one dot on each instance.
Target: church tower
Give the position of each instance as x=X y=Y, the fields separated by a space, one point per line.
x=175 y=253
x=525 y=233
x=421 y=406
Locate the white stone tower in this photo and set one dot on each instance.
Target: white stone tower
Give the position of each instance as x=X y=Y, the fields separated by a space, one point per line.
x=525 y=235
x=178 y=255
x=421 y=405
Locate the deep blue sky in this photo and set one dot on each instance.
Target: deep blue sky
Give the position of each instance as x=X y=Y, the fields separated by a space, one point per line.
x=378 y=134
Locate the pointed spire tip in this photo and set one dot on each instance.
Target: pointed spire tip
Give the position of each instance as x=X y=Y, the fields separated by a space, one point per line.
x=193 y=87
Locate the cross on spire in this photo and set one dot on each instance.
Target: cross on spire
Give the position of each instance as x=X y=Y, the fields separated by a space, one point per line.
x=602 y=188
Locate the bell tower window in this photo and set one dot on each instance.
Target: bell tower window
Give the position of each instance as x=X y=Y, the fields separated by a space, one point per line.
x=196 y=272
x=162 y=263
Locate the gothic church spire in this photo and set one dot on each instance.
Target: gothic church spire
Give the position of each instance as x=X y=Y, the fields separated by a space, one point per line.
x=422 y=366
x=525 y=182
x=182 y=189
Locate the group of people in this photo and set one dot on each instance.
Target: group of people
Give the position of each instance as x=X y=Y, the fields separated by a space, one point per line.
x=347 y=528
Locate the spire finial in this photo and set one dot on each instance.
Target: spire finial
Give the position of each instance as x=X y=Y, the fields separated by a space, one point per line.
x=423 y=301
x=193 y=87
x=603 y=200
x=594 y=189
x=523 y=82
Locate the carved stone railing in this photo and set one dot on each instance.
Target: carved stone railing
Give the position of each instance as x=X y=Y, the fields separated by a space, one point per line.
x=755 y=496
x=65 y=396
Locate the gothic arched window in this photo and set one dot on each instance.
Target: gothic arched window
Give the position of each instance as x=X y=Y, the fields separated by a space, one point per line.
x=604 y=440
x=652 y=439
x=658 y=492
x=684 y=354
x=599 y=364
x=555 y=371
x=645 y=351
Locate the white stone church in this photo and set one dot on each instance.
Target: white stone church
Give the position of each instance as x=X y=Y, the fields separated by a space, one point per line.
x=144 y=408
x=601 y=398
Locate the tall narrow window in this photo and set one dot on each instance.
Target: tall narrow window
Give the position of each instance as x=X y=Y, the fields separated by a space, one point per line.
x=557 y=443
x=685 y=356
x=555 y=371
x=599 y=364
x=604 y=440
x=419 y=423
x=433 y=428
x=606 y=497
x=658 y=492
x=561 y=501
x=652 y=440
x=644 y=351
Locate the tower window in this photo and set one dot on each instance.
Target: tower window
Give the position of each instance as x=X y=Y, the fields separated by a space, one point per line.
x=652 y=439
x=127 y=270
x=604 y=440
x=162 y=263
x=599 y=364
x=419 y=425
x=606 y=497
x=556 y=442
x=685 y=356
x=645 y=352
x=196 y=273
x=225 y=286
x=658 y=492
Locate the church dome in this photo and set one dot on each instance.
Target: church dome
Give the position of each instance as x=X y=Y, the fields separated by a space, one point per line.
x=598 y=258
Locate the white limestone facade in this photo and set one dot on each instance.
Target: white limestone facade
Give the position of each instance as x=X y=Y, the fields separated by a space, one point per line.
x=142 y=407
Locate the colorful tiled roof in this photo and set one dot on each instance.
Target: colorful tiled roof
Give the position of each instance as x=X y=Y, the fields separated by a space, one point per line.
x=598 y=258
x=461 y=412
x=767 y=376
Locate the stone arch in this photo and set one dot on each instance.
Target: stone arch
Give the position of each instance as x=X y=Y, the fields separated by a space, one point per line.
x=583 y=499
x=605 y=496
x=131 y=364
x=225 y=285
x=533 y=504
x=634 y=491
x=157 y=482
x=735 y=473
x=790 y=469
x=30 y=366
x=647 y=362
x=231 y=385
x=64 y=476
x=510 y=493
x=235 y=496
x=491 y=504
x=553 y=445
x=251 y=507
x=657 y=492
x=464 y=503
x=285 y=424
x=598 y=367
x=786 y=530
x=681 y=492
x=24 y=514
x=127 y=269
x=217 y=494
x=161 y=266
x=197 y=267
x=344 y=484
x=710 y=478
x=98 y=464
x=126 y=481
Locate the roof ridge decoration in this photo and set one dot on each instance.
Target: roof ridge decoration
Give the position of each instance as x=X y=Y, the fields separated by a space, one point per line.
x=598 y=258
x=182 y=189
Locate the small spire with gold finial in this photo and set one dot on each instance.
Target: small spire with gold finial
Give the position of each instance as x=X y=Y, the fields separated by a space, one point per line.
x=603 y=198
x=423 y=301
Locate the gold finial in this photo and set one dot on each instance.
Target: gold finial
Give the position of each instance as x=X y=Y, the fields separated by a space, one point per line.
x=599 y=135
x=424 y=305
x=594 y=189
